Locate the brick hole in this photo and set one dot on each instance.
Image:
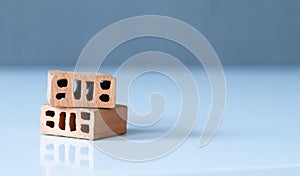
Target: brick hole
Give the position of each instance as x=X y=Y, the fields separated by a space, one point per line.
x=60 y=96
x=50 y=124
x=50 y=113
x=104 y=98
x=62 y=121
x=72 y=122
x=105 y=84
x=77 y=89
x=89 y=90
x=62 y=83
x=85 y=128
x=85 y=115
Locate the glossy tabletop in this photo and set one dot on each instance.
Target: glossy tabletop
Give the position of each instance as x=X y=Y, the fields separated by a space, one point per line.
x=259 y=133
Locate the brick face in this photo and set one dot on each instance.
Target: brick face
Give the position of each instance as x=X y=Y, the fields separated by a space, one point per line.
x=81 y=89
x=86 y=123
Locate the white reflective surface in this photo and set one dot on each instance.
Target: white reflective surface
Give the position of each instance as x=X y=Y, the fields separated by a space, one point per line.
x=259 y=134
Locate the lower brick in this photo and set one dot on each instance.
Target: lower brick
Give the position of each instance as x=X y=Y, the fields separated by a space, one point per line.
x=86 y=123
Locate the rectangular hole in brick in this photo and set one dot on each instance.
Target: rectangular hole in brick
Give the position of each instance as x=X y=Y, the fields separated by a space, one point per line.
x=60 y=96
x=62 y=121
x=85 y=115
x=104 y=98
x=50 y=113
x=105 y=84
x=72 y=122
x=50 y=124
x=77 y=89
x=62 y=83
x=85 y=128
x=89 y=90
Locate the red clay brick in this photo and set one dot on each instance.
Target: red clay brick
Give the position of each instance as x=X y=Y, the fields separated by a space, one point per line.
x=63 y=92
x=87 y=123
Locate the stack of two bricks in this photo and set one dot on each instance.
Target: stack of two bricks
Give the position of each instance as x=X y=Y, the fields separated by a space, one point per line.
x=82 y=105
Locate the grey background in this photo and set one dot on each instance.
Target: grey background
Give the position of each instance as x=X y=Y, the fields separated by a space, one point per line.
x=243 y=32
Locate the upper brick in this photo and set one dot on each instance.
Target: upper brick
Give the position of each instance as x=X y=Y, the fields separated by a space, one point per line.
x=81 y=89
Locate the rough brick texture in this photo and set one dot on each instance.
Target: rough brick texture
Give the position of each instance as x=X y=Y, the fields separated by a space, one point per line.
x=87 y=123
x=81 y=89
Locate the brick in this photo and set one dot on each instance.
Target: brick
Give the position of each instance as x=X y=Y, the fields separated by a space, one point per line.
x=81 y=89
x=86 y=123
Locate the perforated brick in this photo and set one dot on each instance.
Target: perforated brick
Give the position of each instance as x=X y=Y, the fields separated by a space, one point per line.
x=87 y=123
x=81 y=89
